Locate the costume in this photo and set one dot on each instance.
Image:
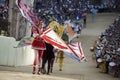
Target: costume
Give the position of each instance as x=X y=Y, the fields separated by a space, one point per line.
x=39 y=46
x=47 y=56
x=60 y=56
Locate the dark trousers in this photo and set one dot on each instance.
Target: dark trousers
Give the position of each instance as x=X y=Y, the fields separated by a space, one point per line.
x=107 y=66
x=97 y=62
x=84 y=22
x=48 y=66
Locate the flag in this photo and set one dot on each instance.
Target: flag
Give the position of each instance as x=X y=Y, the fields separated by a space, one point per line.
x=71 y=33
x=76 y=47
x=26 y=41
x=27 y=13
x=51 y=37
x=57 y=28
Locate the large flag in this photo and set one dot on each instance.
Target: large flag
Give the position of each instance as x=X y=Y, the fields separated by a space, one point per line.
x=28 y=13
x=51 y=37
x=57 y=28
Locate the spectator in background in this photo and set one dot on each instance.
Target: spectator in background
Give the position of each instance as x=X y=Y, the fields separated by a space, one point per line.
x=84 y=16
x=98 y=54
x=107 y=60
x=110 y=48
x=94 y=12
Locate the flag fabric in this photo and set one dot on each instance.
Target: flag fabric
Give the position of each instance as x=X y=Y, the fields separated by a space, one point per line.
x=27 y=13
x=76 y=47
x=51 y=37
x=71 y=33
x=57 y=28
x=26 y=41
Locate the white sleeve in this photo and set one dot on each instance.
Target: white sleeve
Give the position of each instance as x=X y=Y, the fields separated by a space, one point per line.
x=35 y=34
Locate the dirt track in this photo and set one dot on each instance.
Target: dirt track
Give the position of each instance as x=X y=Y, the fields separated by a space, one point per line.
x=72 y=70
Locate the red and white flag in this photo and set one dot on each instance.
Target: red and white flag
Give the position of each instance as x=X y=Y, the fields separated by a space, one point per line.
x=76 y=48
x=27 y=13
x=51 y=37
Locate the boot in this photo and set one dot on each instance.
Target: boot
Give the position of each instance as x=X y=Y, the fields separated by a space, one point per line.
x=39 y=71
x=44 y=71
x=48 y=72
x=34 y=69
x=51 y=69
x=60 y=69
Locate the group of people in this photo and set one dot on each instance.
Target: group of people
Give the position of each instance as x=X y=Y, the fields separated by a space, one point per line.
x=4 y=11
x=44 y=52
x=62 y=10
x=107 y=49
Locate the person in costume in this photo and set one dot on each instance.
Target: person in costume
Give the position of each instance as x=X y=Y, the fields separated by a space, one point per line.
x=60 y=53
x=39 y=46
x=60 y=56
x=47 y=57
x=84 y=16
x=53 y=59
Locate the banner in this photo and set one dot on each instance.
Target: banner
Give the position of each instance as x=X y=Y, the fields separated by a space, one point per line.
x=27 y=13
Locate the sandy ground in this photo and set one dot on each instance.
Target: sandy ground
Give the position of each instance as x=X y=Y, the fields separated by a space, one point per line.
x=72 y=70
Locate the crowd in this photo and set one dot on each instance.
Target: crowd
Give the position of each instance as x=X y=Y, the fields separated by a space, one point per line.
x=107 y=49
x=4 y=11
x=3 y=15
x=62 y=10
